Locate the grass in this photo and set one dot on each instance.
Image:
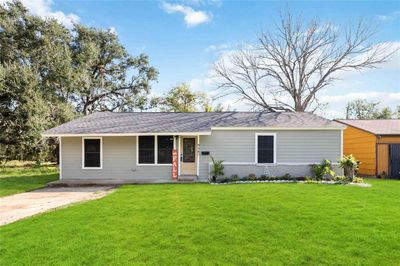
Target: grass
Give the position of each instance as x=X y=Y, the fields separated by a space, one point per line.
x=16 y=179
x=250 y=224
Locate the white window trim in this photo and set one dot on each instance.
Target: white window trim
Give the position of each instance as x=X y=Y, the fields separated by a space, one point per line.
x=155 y=151
x=256 y=148
x=101 y=153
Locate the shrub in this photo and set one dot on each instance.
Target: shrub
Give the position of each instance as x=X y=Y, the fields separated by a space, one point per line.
x=341 y=179
x=244 y=178
x=358 y=180
x=349 y=165
x=234 y=178
x=323 y=169
x=217 y=169
x=252 y=177
x=223 y=180
x=287 y=176
x=308 y=178
x=263 y=178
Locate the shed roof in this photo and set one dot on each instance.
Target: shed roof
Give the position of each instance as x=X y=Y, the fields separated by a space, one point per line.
x=162 y=122
x=376 y=126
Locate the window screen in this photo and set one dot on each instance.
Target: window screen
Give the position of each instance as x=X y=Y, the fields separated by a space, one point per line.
x=265 y=149
x=146 y=149
x=165 y=145
x=92 y=153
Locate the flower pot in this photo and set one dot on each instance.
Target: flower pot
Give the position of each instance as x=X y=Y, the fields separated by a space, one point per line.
x=349 y=172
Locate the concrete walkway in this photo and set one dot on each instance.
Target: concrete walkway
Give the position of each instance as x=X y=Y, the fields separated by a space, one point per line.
x=19 y=206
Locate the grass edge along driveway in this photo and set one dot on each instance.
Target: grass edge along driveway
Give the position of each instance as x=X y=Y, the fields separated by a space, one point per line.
x=249 y=224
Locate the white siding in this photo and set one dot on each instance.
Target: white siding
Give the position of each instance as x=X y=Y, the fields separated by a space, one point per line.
x=119 y=161
x=292 y=147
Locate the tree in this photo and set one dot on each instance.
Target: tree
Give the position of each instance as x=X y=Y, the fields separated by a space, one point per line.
x=35 y=76
x=49 y=75
x=182 y=99
x=286 y=69
x=385 y=113
x=108 y=77
x=362 y=109
x=398 y=112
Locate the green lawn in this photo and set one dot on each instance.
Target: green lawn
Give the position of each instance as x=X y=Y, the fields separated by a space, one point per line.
x=249 y=224
x=19 y=179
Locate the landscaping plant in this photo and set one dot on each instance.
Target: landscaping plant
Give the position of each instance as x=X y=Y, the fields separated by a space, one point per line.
x=217 y=169
x=349 y=165
x=323 y=169
x=342 y=179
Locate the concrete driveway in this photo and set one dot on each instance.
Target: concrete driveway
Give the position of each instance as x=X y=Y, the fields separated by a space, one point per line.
x=19 y=206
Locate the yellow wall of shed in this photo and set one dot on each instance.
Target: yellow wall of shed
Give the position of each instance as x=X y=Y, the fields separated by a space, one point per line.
x=363 y=146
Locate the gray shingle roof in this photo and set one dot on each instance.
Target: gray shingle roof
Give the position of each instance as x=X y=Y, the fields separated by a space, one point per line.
x=376 y=126
x=158 y=122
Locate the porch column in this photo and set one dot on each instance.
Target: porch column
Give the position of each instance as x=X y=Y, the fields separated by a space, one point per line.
x=198 y=156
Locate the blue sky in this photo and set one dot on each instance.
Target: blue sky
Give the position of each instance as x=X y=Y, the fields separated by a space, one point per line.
x=184 y=38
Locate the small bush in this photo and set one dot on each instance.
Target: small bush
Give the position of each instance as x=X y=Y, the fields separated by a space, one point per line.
x=341 y=179
x=217 y=168
x=234 y=178
x=244 y=178
x=263 y=178
x=358 y=180
x=223 y=180
x=252 y=177
x=308 y=178
x=323 y=169
x=349 y=165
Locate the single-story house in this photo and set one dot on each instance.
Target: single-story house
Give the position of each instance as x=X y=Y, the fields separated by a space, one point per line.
x=376 y=144
x=160 y=147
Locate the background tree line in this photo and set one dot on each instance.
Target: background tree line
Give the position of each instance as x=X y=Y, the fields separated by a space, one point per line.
x=363 y=109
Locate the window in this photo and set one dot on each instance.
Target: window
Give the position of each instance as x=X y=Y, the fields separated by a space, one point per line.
x=164 y=149
x=155 y=150
x=146 y=150
x=265 y=148
x=92 y=153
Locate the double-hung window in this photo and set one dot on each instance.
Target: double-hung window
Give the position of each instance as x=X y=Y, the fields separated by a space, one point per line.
x=155 y=149
x=146 y=150
x=265 y=145
x=165 y=145
x=92 y=153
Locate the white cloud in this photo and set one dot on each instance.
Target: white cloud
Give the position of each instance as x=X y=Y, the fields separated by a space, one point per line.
x=386 y=98
x=192 y=17
x=205 y=84
x=217 y=47
x=43 y=8
x=392 y=16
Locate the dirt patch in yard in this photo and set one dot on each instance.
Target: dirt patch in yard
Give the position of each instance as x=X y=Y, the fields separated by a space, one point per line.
x=19 y=206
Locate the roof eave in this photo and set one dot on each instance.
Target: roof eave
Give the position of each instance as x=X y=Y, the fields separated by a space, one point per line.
x=48 y=135
x=279 y=128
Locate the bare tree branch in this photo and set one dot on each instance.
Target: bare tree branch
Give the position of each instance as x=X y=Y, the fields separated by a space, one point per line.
x=286 y=70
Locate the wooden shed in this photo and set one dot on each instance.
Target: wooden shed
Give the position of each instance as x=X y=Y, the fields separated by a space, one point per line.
x=376 y=144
